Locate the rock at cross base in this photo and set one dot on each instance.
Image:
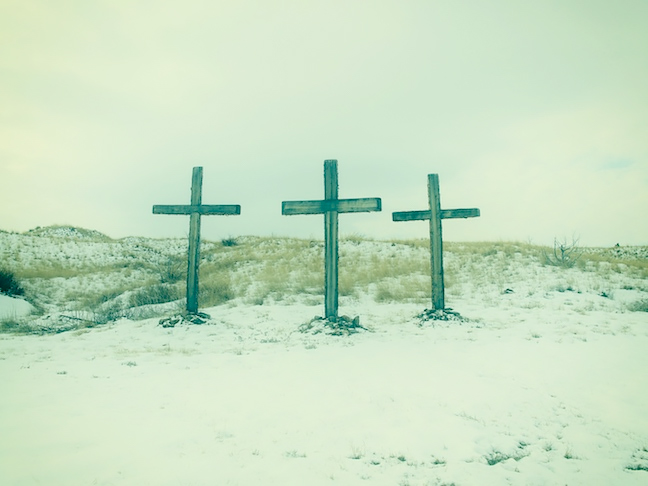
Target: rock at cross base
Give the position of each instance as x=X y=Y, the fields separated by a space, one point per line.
x=197 y=318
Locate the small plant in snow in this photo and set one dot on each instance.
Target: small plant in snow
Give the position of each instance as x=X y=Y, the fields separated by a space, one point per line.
x=13 y=325
x=639 y=460
x=438 y=462
x=639 y=306
x=495 y=457
x=295 y=454
x=9 y=284
x=569 y=454
x=229 y=242
x=564 y=255
x=154 y=294
x=356 y=453
x=172 y=270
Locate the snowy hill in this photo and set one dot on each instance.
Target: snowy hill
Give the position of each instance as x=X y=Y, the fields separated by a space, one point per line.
x=541 y=382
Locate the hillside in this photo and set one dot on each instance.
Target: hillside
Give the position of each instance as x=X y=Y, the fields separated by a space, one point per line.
x=85 y=275
x=538 y=380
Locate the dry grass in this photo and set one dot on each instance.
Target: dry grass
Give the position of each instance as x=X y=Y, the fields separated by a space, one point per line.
x=256 y=270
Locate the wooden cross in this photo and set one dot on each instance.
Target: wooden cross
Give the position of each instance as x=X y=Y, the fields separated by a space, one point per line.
x=435 y=214
x=330 y=207
x=196 y=209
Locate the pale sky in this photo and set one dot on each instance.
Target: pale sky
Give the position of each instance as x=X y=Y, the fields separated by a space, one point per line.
x=534 y=112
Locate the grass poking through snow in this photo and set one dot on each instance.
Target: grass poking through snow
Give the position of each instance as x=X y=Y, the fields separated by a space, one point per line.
x=96 y=279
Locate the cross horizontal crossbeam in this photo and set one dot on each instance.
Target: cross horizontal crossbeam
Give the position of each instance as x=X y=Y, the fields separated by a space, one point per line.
x=444 y=214
x=363 y=205
x=202 y=209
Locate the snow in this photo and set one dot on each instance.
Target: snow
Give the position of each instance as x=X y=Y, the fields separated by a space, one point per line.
x=12 y=307
x=542 y=383
x=547 y=398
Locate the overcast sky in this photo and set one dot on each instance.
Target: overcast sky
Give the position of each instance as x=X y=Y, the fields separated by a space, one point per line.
x=534 y=112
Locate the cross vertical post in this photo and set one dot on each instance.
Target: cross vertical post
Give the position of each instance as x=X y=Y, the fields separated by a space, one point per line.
x=330 y=207
x=194 y=242
x=195 y=210
x=436 y=243
x=331 y=256
x=434 y=215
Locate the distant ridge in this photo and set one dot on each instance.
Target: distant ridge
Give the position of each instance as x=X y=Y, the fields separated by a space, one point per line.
x=61 y=231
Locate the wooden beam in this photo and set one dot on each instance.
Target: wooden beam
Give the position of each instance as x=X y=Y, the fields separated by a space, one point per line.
x=331 y=206
x=331 y=240
x=203 y=210
x=194 y=242
x=363 y=205
x=426 y=215
x=459 y=213
x=436 y=243
x=411 y=216
x=195 y=210
x=434 y=215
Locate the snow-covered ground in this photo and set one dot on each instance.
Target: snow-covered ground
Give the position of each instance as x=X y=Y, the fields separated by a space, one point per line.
x=538 y=385
x=14 y=308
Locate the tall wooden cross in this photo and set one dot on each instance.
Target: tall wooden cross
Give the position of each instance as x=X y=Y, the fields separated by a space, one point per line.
x=330 y=207
x=196 y=209
x=435 y=214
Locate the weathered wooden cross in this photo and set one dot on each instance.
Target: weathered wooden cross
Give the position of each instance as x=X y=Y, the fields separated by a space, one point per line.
x=435 y=214
x=196 y=209
x=330 y=207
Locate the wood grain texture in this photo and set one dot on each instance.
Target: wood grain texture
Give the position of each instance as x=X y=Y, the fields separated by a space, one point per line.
x=459 y=213
x=331 y=240
x=203 y=209
x=434 y=215
x=195 y=210
x=194 y=242
x=426 y=215
x=436 y=243
x=330 y=207
x=322 y=206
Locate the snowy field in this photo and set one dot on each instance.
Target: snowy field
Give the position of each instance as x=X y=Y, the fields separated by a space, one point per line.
x=543 y=382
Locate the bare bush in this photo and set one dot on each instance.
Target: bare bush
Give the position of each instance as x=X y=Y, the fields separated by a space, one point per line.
x=9 y=284
x=564 y=254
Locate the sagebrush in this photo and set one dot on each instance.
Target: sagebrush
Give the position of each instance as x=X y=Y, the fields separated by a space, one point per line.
x=9 y=284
